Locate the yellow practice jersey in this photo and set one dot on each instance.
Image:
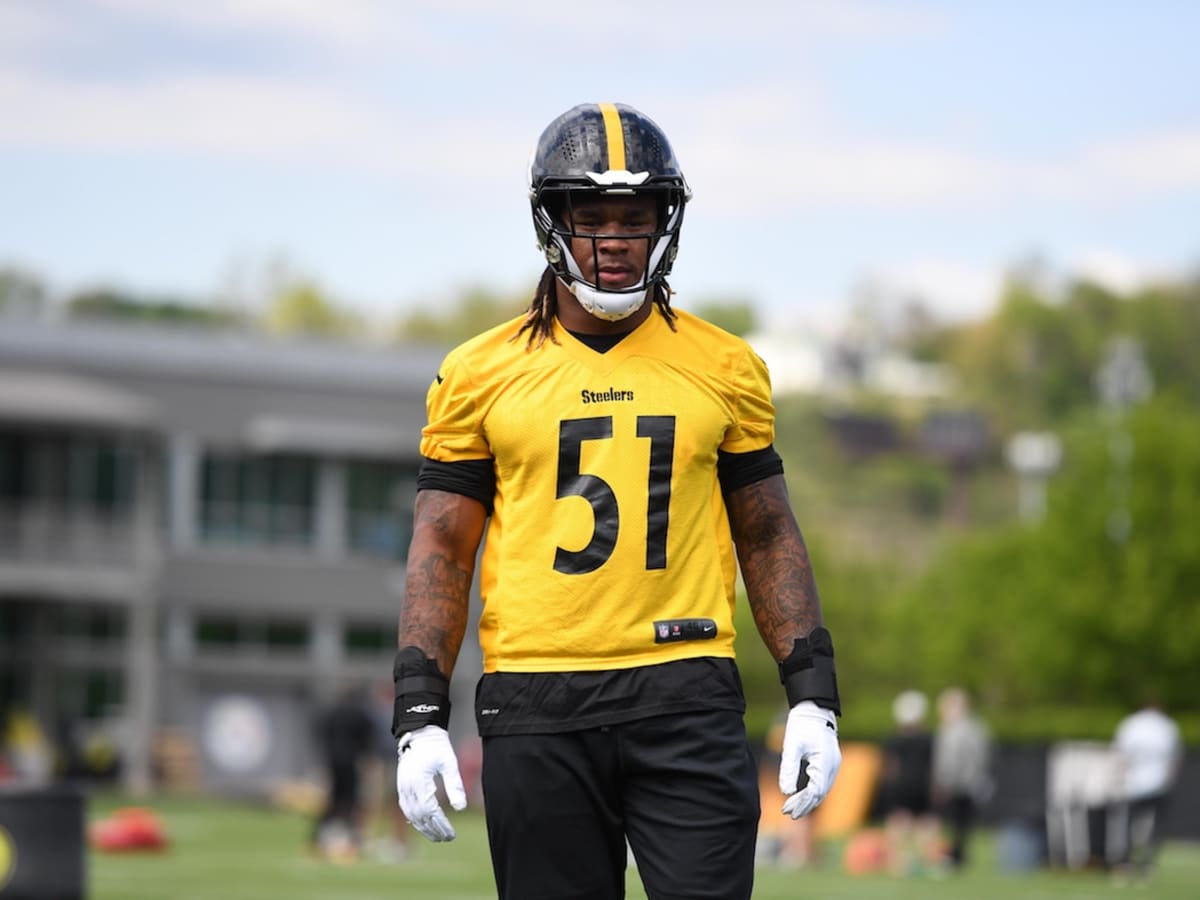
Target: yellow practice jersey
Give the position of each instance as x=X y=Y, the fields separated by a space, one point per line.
x=608 y=517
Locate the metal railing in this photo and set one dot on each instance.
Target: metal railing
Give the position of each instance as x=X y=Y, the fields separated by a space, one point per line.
x=48 y=533
x=257 y=524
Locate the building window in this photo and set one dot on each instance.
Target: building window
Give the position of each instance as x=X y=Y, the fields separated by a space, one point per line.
x=67 y=497
x=16 y=689
x=369 y=639
x=16 y=622
x=88 y=693
x=217 y=632
x=78 y=473
x=289 y=636
x=91 y=624
x=257 y=500
x=379 y=500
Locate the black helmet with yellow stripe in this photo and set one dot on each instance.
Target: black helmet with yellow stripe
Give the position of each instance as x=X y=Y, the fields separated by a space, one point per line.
x=606 y=149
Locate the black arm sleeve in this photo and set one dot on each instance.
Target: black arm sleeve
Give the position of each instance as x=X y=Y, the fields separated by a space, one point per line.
x=474 y=478
x=735 y=470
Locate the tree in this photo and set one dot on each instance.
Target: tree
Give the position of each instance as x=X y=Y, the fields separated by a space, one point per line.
x=20 y=291
x=301 y=308
x=735 y=316
x=119 y=305
x=1033 y=361
x=474 y=311
x=1065 y=613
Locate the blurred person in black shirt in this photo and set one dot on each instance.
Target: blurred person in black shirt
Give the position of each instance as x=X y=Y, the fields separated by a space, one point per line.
x=346 y=733
x=905 y=786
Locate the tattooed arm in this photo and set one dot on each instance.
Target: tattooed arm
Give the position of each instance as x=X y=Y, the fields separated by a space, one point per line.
x=447 y=529
x=774 y=563
x=783 y=598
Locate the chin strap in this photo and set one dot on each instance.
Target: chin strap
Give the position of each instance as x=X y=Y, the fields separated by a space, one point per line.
x=808 y=674
x=608 y=305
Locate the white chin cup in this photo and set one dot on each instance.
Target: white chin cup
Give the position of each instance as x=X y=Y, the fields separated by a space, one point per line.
x=608 y=305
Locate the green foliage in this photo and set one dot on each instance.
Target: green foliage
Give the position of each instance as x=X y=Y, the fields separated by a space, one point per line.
x=1058 y=629
x=735 y=316
x=476 y=310
x=1062 y=613
x=857 y=599
x=1033 y=362
x=107 y=303
x=20 y=291
x=301 y=308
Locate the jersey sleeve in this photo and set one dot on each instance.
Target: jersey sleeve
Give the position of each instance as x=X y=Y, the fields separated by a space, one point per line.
x=754 y=427
x=454 y=430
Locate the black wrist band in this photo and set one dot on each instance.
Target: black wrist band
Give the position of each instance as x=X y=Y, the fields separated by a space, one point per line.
x=808 y=672
x=422 y=692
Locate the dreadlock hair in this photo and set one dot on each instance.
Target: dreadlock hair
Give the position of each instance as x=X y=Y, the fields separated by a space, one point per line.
x=539 y=319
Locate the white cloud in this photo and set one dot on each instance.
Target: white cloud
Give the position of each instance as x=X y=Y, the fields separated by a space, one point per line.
x=264 y=120
x=1116 y=270
x=345 y=24
x=787 y=138
x=354 y=32
x=955 y=290
x=25 y=26
x=823 y=164
x=951 y=289
x=1163 y=161
x=355 y=24
x=788 y=134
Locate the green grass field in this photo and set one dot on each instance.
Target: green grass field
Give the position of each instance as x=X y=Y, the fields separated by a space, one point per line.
x=238 y=852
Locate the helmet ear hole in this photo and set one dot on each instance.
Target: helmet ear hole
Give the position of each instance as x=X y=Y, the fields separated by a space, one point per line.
x=555 y=205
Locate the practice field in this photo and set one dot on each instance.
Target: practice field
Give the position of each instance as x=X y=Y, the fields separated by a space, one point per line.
x=238 y=852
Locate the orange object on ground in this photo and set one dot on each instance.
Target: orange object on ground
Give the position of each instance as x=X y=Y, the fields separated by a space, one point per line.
x=868 y=852
x=128 y=829
x=849 y=803
x=845 y=809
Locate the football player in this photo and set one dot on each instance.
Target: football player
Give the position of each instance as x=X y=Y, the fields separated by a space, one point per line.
x=619 y=452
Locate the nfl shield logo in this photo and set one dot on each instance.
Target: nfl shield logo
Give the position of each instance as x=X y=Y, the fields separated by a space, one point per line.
x=662 y=630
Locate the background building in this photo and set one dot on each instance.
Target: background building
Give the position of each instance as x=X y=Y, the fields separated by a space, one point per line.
x=202 y=538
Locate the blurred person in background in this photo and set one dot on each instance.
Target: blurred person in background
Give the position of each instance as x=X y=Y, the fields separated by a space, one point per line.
x=962 y=781
x=386 y=832
x=7 y=773
x=1149 y=743
x=347 y=737
x=906 y=789
x=28 y=754
x=623 y=452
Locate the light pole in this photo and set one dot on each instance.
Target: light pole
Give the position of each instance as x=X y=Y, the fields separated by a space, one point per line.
x=1034 y=456
x=1122 y=381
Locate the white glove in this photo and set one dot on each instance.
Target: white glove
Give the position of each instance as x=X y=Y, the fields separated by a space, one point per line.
x=423 y=754
x=810 y=736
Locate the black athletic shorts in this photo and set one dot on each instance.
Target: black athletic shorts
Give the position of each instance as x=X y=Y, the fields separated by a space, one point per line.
x=681 y=788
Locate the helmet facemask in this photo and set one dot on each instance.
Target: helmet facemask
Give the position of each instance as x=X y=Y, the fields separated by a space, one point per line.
x=554 y=208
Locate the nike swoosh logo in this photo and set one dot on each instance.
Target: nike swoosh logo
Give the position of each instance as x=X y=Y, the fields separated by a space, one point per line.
x=439 y=378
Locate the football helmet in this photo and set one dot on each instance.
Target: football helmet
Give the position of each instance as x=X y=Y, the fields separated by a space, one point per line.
x=605 y=149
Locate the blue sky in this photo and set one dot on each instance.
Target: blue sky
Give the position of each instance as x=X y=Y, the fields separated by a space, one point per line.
x=837 y=150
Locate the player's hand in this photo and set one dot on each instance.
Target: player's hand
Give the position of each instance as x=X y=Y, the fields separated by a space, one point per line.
x=810 y=742
x=424 y=754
